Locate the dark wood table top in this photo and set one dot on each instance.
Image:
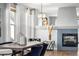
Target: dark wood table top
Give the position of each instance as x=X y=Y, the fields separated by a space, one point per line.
x=17 y=46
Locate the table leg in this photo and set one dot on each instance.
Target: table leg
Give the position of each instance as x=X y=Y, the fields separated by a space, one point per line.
x=22 y=53
x=13 y=54
x=19 y=52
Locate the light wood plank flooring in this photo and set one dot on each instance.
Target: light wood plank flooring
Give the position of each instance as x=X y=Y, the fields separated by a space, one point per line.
x=62 y=53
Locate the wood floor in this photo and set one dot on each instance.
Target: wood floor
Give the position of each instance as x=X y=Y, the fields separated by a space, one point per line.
x=62 y=53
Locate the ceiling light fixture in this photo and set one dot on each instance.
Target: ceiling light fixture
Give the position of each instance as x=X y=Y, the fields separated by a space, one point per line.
x=41 y=14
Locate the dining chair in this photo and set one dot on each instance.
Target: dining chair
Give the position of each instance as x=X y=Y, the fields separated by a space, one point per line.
x=35 y=39
x=30 y=39
x=38 y=39
x=44 y=49
x=35 y=51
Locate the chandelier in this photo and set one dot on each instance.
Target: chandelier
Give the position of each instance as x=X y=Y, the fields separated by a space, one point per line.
x=41 y=14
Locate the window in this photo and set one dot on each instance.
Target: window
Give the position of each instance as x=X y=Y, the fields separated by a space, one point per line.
x=12 y=20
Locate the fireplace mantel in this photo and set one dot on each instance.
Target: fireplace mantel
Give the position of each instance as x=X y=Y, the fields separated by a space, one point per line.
x=58 y=27
x=65 y=27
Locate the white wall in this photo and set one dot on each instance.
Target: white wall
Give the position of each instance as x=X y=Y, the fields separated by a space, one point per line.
x=41 y=33
x=7 y=22
x=17 y=24
x=66 y=17
x=28 y=25
x=23 y=20
x=4 y=23
x=33 y=23
x=51 y=20
x=3 y=27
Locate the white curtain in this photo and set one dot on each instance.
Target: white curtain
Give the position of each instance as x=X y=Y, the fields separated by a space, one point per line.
x=20 y=22
x=32 y=23
x=7 y=23
x=28 y=24
x=4 y=18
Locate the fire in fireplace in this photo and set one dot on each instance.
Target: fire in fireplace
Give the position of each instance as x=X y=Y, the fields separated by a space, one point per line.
x=70 y=39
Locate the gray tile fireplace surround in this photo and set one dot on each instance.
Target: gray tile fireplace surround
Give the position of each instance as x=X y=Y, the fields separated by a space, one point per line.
x=59 y=39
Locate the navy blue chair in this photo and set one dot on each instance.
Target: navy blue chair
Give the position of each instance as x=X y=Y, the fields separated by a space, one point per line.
x=44 y=49
x=35 y=51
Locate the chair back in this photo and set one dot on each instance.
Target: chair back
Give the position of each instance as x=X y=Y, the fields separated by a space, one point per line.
x=30 y=39
x=44 y=49
x=35 y=39
x=36 y=50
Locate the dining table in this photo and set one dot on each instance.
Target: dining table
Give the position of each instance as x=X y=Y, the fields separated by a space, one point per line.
x=16 y=46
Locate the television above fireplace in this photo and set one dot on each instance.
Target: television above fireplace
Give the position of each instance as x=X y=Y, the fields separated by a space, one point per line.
x=70 y=39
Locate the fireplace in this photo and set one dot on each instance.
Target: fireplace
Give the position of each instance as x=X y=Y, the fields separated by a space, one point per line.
x=70 y=39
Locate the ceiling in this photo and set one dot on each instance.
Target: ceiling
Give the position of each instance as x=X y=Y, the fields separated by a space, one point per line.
x=51 y=8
